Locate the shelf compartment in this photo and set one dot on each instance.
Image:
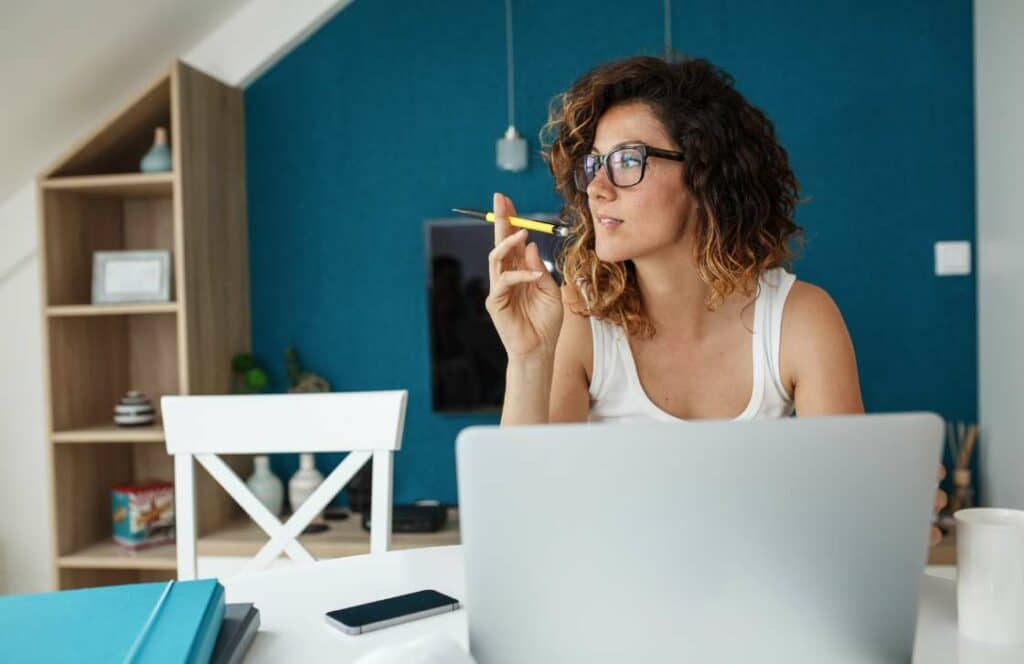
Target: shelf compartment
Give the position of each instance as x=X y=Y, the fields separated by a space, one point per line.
x=94 y=360
x=76 y=225
x=118 y=145
x=84 y=473
x=83 y=477
x=127 y=185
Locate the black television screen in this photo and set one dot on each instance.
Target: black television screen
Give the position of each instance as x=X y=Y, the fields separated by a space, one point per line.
x=467 y=360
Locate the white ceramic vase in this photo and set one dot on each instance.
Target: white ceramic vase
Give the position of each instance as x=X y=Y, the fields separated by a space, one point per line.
x=265 y=485
x=304 y=482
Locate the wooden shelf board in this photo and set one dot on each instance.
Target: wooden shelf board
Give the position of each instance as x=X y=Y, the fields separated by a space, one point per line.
x=120 y=184
x=112 y=309
x=344 y=538
x=944 y=553
x=111 y=433
x=109 y=555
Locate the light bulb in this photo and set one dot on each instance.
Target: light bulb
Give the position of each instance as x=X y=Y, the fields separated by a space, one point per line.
x=511 y=153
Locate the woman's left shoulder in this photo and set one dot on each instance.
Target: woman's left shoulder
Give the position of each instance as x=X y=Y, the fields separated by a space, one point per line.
x=804 y=301
x=817 y=355
x=810 y=309
x=809 y=298
x=811 y=319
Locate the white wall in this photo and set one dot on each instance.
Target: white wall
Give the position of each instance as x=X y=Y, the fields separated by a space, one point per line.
x=257 y=36
x=61 y=67
x=999 y=122
x=24 y=499
x=237 y=51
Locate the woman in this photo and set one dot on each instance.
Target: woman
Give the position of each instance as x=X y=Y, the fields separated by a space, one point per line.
x=677 y=304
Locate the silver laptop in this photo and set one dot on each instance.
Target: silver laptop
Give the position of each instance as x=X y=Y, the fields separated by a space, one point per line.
x=797 y=540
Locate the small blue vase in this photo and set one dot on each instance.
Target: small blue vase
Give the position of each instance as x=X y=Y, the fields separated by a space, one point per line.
x=158 y=159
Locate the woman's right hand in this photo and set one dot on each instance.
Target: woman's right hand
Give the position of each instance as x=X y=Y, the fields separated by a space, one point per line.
x=524 y=301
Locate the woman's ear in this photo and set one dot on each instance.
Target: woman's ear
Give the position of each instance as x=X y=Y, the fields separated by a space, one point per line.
x=693 y=218
x=702 y=214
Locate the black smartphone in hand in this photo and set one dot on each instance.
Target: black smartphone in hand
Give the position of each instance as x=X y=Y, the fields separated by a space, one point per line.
x=391 y=611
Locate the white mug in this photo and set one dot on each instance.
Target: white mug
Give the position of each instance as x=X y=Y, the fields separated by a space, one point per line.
x=990 y=574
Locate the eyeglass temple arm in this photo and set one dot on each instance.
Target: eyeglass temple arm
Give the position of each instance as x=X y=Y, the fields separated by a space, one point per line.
x=665 y=154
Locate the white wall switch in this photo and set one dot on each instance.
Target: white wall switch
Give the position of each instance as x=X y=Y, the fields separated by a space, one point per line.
x=952 y=258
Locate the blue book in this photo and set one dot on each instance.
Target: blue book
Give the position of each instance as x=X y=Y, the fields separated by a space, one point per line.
x=145 y=623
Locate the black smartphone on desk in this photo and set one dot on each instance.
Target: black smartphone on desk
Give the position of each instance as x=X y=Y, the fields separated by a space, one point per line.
x=391 y=611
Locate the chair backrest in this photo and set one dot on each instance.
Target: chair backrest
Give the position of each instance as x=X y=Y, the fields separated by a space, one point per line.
x=364 y=424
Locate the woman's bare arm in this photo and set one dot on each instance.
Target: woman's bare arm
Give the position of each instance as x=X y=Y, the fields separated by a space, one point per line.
x=817 y=356
x=552 y=387
x=570 y=385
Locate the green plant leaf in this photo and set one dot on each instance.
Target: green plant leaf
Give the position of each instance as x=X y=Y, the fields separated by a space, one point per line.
x=243 y=362
x=256 y=379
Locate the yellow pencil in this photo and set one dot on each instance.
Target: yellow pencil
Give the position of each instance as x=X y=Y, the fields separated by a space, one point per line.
x=519 y=222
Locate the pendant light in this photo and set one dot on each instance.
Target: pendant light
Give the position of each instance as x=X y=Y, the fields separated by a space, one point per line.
x=511 y=148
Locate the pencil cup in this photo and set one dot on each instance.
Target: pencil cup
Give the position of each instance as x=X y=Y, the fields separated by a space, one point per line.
x=990 y=574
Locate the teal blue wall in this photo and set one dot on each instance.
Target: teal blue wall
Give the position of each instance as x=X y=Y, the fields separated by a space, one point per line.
x=388 y=115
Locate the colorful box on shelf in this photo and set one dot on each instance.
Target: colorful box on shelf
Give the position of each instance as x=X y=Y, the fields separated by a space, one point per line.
x=143 y=514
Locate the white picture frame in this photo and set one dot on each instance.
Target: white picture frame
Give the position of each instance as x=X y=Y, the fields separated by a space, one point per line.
x=122 y=277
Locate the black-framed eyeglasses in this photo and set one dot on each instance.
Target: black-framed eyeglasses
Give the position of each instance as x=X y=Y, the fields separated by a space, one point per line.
x=626 y=165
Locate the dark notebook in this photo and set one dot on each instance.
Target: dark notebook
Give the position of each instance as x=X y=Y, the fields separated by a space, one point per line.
x=241 y=622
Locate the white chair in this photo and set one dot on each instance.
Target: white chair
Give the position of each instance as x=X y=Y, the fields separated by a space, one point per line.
x=364 y=424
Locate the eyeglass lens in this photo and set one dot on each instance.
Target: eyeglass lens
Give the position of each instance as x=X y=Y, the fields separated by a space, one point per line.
x=625 y=167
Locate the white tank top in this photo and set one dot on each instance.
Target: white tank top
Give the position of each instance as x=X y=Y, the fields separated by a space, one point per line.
x=616 y=394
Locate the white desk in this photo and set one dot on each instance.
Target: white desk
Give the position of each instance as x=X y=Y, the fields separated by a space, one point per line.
x=292 y=603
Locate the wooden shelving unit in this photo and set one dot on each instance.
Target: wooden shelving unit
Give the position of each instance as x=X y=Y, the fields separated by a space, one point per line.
x=93 y=199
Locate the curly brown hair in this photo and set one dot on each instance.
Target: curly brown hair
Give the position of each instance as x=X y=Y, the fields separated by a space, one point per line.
x=735 y=168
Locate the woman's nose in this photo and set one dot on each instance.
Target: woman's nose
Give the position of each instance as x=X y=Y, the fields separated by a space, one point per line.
x=601 y=187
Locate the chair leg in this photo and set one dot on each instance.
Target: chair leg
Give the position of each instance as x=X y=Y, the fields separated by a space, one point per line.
x=185 y=515
x=380 y=502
